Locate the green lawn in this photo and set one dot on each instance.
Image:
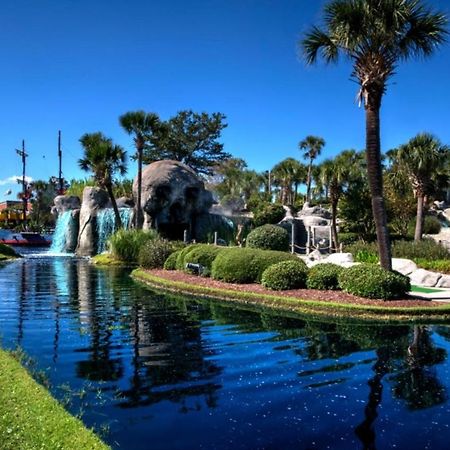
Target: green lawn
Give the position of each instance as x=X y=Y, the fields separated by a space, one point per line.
x=31 y=419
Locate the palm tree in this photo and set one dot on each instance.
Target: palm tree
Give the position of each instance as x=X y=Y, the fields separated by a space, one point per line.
x=140 y=124
x=312 y=146
x=335 y=174
x=376 y=35
x=104 y=159
x=421 y=158
x=288 y=174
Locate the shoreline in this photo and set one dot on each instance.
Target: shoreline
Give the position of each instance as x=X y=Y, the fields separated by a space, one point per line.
x=327 y=305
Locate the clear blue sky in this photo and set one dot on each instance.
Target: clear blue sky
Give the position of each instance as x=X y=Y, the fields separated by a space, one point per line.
x=76 y=65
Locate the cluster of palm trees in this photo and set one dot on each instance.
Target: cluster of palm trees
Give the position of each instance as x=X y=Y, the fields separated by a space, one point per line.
x=375 y=36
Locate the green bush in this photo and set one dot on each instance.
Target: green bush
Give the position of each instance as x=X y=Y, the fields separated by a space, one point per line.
x=7 y=250
x=438 y=265
x=268 y=237
x=154 y=253
x=171 y=262
x=203 y=254
x=372 y=281
x=324 y=277
x=269 y=214
x=181 y=262
x=285 y=275
x=245 y=265
x=363 y=252
x=426 y=249
x=126 y=244
x=348 y=238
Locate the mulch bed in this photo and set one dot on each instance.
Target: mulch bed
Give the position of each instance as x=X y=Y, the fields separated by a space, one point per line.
x=306 y=294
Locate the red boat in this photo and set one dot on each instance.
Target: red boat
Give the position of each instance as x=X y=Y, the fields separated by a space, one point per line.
x=27 y=239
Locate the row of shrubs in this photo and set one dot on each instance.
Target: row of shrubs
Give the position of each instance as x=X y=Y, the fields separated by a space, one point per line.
x=275 y=269
x=282 y=271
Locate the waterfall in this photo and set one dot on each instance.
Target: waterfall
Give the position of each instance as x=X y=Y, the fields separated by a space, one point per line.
x=64 y=224
x=106 y=225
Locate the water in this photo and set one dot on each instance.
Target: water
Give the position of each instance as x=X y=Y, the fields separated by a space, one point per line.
x=106 y=225
x=165 y=372
x=64 y=224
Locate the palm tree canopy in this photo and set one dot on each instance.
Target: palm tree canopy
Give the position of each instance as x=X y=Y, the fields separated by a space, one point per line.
x=375 y=35
x=421 y=158
x=102 y=157
x=312 y=146
x=140 y=124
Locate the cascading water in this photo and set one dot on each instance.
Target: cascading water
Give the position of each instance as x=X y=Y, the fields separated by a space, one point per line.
x=64 y=225
x=106 y=222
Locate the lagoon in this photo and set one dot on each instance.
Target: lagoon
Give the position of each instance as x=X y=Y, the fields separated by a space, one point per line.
x=159 y=371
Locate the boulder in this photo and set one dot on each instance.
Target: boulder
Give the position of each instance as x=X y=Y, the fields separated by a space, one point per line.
x=313 y=221
x=404 y=266
x=308 y=210
x=422 y=277
x=444 y=282
x=173 y=196
x=341 y=259
x=63 y=203
x=94 y=199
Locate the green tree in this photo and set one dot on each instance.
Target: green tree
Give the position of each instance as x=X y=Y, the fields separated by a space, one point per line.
x=336 y=174
x=312 y=146
x=104 y=159
x=421 y=158
x=376 y=36
x=189 y=137
x=141 y=125
x=288 y=175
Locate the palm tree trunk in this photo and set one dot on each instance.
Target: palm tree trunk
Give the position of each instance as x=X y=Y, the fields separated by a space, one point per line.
x=114 y=205
x=139 y=219
x=308 y=182
x=419 y=217
x=375 y=177
x=334 y=203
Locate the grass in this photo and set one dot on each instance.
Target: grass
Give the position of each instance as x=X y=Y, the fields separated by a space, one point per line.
x=414 y=314
x=30 y=418
x=107 y=259
x=7 y=252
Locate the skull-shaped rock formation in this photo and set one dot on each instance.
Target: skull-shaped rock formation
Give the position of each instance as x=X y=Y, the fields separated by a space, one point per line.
x=173 y=198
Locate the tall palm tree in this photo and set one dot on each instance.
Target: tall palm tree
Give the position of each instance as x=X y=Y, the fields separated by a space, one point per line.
x=375 y=35
x=104 y=159
x=335 y=174
x=312 y=146
x=141 y=125
x=421 y=158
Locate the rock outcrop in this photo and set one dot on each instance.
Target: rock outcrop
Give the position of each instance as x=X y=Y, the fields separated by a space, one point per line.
x=94 y=199
x=173 y=198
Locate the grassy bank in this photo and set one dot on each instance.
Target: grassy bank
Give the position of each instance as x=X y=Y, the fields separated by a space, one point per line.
x=383 y=312
x=30 y=418
x=7 y=252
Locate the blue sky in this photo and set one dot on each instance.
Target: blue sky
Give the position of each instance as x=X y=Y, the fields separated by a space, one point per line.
x=76 y=65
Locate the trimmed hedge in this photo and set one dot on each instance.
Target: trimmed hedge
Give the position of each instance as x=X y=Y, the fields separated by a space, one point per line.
x=324 y=277
x=171 y=262
x=245 y=265
x=203 y=254
x=285 y=275
x=269 y=213
x=154 y=253
x=372 y=281
x=269 y=237
x=181 y=263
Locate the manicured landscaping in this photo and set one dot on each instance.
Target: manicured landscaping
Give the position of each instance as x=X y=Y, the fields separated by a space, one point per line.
x=6 y=252
x=30 y=418
x=321 y=303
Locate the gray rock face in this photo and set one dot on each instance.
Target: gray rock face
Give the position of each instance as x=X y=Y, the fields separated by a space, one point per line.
x=173 y=196
x=63 y=203
x=93 y=200
x=404 y=266
x=424 y=277
x=444 y=282
x=341 y=259
x=314 y=211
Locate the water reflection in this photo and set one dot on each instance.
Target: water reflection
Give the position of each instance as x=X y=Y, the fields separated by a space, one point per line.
x=222 y=376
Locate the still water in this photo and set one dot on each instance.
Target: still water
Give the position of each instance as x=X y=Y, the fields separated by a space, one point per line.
x=154 y=371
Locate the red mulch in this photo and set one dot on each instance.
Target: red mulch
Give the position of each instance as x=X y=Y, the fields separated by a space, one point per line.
x=306 y=294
